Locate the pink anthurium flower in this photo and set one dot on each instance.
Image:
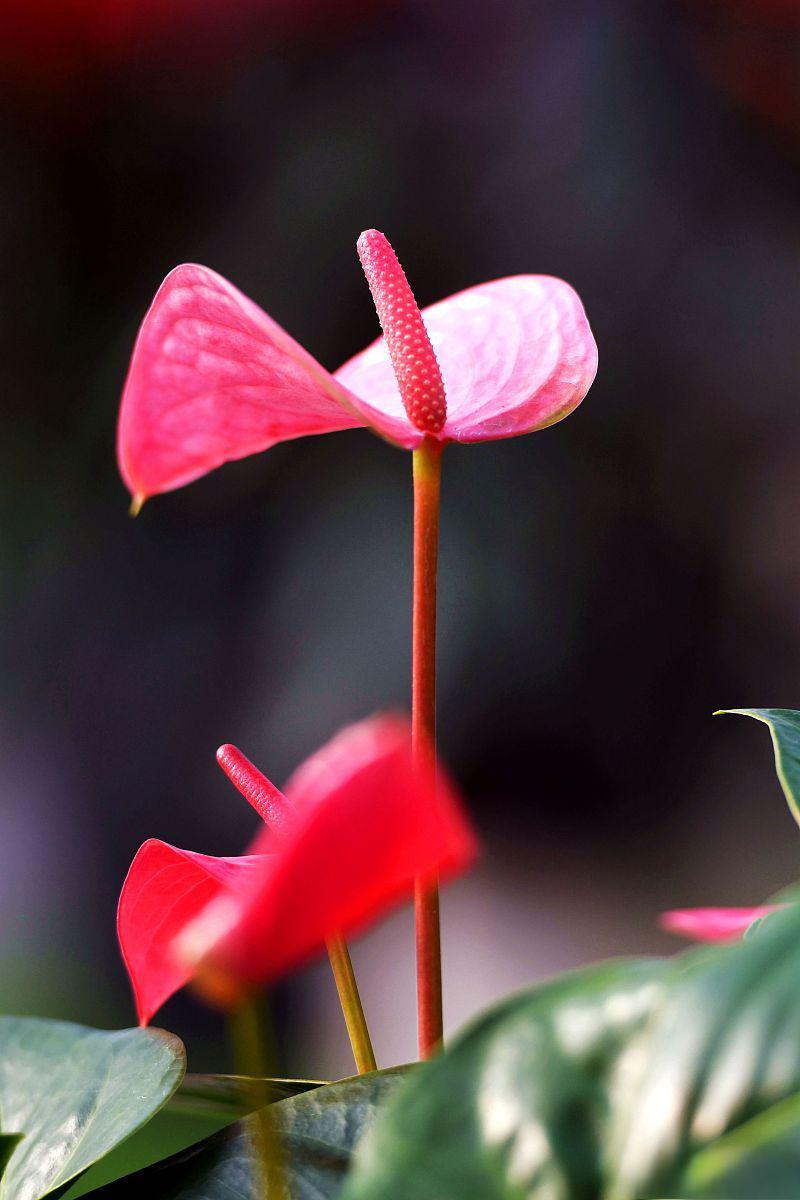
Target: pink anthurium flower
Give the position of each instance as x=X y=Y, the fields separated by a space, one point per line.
x=213 y=378
x=358 y=823
x=714 y=924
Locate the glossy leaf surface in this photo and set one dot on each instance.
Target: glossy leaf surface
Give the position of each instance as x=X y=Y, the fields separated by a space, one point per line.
x=711 y=1089
x=318 y=1129
x=519 y=1105
x=74 y=1094
x=231 y=1095
x=623 y=1082
x=8 y=1144
x=201 y=1106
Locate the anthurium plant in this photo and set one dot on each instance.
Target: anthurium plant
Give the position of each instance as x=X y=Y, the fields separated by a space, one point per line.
x=632 y=1079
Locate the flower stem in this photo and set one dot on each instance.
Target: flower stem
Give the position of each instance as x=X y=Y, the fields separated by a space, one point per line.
x=427 y=465
x=351 y=1005
x=253 y=1059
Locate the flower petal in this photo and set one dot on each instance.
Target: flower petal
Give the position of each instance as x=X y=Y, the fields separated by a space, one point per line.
x=213 y=379
x=164 y=890
x=516 y=354
x=713 y=924
x=369 y=822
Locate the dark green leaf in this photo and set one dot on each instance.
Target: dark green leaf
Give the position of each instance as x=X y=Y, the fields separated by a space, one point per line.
x=709 y=1101
x=8 y=1144
x=784 y=728
x=517 y=1107
x=764 y=1152
x=168 y=1133
x=574 y=1092
x=318 y=1129
x=202 y=1105
x=231 y=1095
x=75 y=1093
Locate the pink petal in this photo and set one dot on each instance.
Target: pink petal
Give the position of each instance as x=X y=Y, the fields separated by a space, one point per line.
x=714 y=924
x=368 y=824
x=516 y=354
x=213 y=379
x=164 y=890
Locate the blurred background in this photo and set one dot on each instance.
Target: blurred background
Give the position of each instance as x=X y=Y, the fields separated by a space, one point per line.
x=604 y=585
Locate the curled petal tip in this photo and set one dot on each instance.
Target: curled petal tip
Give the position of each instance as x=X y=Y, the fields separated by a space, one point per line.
x=137 y=504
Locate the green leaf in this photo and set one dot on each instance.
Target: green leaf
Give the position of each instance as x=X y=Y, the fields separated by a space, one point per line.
x=766 y=1148
x=318 y=1130
x=516 y=1109
x=75 y=1093
x=231 y=1095
x=709 y=1102
x=8 y=1144
x=168 y=1133
x=784 y=728
x=621 y=1082
x=202 y=1105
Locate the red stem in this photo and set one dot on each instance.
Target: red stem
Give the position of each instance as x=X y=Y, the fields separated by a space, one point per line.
x=427 y=477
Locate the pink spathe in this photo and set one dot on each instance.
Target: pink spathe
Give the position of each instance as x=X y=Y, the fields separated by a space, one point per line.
x=714 y=924
x=213 y=378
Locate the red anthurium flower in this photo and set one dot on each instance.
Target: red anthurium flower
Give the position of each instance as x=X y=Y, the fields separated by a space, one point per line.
x=358 y=823
x=213 y=378
x=714 y=924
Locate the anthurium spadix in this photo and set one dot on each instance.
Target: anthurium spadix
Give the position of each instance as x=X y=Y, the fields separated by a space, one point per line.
x=358 y=822
x=213 y=378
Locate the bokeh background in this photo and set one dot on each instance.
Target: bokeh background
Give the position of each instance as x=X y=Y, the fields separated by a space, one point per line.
x=604 y=585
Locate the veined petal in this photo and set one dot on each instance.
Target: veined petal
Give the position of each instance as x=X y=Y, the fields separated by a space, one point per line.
x=213 y=378
x=165 y=889
x=515 y=354
x=714 y=924
x=369 y=822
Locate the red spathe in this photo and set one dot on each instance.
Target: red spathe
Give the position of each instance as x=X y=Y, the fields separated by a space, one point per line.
x=366 y=822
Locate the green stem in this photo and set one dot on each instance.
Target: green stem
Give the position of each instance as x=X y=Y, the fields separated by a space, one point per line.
x=253 y=1058
x=351 y=1005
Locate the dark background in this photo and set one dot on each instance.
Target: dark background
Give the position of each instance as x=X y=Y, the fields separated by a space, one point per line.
x=604 y=585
